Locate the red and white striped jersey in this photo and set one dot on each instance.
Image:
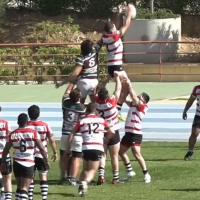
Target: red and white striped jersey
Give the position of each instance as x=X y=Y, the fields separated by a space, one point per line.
x=4 y=130
x=108 y=110
x=114 y=46
x=134 y=118
x=92 y=128
x=23 y=141
x=44 y=130
x=196 y=94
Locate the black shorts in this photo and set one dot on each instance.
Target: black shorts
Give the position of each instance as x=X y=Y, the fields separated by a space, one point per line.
x=131 y=139
x=196 y=122
x=113 y=68
x=93 y=155
x=39 y=165
x=8 y=166
x=76 y=154
x=114 y=140
x=23 y=171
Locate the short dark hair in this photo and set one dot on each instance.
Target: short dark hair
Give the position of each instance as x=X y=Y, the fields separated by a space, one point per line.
x=145 y=96
x=91 y=107
x=33 y=112
x=86 y=47
x=75 y=95
x=22 y=119
x=103 y=94
x=108 y=26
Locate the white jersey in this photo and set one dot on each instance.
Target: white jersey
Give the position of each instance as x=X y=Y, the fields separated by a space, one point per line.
x=114 y=46
x=134 y=118
x=45 y=132
x=23 y=141
x=92 y=129
x=4 y=130
x=108 y=110
x=196 y=94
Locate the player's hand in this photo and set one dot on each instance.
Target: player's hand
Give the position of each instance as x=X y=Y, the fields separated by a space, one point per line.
x=67 y=153
x=116 y=73
x=184 y=116
x=47 y=165
x=54 y=157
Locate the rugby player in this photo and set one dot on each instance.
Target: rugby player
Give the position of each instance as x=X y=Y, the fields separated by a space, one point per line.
x=107 y=108
x=73 y=111
x=24 y=141
x=85 y=75
x=92 y=129
x=112 y=40
x=133 y=132
x=45 y=133
x=196 y=122
x=5 y=177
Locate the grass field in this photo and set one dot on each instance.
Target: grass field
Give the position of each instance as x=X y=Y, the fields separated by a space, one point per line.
x=48 y=93
x=172 y=178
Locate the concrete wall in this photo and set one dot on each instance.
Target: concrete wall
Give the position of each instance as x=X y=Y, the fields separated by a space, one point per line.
x=152 y=30
x=171 y=72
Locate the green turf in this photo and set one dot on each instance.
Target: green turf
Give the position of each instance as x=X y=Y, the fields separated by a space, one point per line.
x=48 y=93
x=172 y=178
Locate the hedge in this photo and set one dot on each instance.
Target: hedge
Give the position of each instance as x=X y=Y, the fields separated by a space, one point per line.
x=59 y=62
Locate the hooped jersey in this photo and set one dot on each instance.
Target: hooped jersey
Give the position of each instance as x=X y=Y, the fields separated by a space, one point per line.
x=108 y=110
x=44 y=131
x=92 y=128
x=134 y=118
x=23 y=141
x=4 y=130
x=196 y=94
x=114 y=47
x=89 y=64
x=72 y=113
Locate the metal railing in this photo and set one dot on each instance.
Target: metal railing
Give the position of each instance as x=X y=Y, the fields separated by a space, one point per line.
x=6 y=59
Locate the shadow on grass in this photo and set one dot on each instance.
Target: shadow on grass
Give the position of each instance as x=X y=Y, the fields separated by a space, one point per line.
x=183 y=190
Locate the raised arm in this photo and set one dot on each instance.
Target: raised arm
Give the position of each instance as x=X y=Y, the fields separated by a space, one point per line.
x=118 y=85
x=128 y=21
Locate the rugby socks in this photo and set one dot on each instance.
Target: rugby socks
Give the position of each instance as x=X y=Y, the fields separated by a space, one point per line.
x=1 y=185
x=128 y=167
x=17 y=194
x=30 y=191
x=101 y=172
x=119 y=106
x=145 y=171
x=44 y=189
x=23 y=195
x=115 y=175
x=8 y=195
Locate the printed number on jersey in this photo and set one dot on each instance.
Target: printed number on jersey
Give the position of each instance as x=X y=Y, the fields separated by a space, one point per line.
x=22 y=146
x=93 y=128
x=92 y=62
x=70 y=116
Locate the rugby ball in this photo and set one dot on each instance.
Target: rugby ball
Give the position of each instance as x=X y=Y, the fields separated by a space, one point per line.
x=131 y=8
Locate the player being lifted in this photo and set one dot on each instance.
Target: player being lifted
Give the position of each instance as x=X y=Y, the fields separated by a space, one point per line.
x=114 y=45
x=107 y=108
x=92 y=129
x=73 y=111
x=85 y=75
x=24 y=141
x=6 y=176
x=133 y=132
x=45 y=133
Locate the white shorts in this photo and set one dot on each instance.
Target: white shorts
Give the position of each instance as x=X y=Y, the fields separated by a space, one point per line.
x=63 y=142
x=86 y=86
x=77 y=144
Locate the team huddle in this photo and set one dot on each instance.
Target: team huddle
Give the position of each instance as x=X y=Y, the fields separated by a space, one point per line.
x=88 y=131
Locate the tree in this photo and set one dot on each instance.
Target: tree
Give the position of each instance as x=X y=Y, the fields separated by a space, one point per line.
x=2 y=10
x=152 y=6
